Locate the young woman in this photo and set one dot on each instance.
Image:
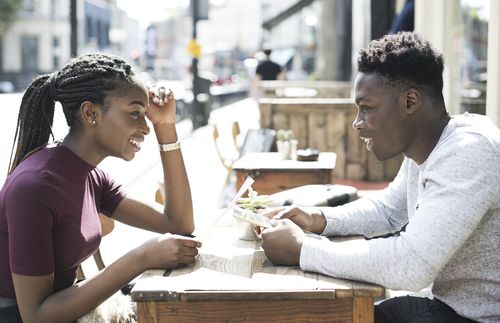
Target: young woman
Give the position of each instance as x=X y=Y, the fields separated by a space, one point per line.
x=51 y=200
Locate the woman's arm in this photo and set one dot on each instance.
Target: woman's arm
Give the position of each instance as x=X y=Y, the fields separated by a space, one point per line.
x=177 y=215
x=38 y=303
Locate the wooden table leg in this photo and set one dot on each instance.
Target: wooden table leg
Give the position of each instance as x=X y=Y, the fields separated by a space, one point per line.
x=363 y=310
x=146 y=312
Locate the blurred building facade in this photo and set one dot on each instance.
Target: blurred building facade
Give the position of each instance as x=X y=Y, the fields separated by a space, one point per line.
x=313 y=39
x=39 y=39
x=36 y=42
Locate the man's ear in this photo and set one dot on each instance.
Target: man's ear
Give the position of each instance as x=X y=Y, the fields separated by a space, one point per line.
x=89 y=112
x=412 y=100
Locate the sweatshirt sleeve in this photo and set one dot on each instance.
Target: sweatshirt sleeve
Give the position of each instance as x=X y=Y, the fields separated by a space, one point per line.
x=371 y=216
x=455 y=193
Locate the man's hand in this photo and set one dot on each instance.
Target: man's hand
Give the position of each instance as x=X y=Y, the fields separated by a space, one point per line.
x=283 y=242
x=311 y=219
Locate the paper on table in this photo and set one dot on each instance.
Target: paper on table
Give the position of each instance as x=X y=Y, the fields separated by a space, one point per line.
x=244 y=187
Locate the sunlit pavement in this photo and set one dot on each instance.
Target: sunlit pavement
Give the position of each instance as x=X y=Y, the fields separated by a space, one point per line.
x=141 y=175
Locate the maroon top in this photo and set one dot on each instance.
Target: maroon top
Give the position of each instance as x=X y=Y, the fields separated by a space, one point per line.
x=49 y=219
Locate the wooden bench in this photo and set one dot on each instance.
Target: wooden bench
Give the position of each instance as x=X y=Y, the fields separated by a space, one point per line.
x=317 y=89
x=326 y=124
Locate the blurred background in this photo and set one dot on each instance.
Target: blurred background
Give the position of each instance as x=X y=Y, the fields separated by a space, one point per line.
x=212 y=47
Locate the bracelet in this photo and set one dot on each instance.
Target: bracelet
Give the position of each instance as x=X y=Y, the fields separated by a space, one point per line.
x=169 y=147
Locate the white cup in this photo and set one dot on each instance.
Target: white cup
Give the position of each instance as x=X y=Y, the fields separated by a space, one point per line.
x=246 y=231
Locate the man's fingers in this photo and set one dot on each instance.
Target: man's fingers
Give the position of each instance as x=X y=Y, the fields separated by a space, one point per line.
x=272 y=213
x=284 y=213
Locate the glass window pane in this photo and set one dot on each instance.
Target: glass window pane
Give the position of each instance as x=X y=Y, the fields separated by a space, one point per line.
x=475 y=16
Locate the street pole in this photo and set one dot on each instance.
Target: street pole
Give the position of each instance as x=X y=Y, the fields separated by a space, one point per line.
x=74 y=28
x=197 y=112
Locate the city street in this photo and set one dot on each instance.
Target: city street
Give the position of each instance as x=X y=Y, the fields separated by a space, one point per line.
x=141 y=175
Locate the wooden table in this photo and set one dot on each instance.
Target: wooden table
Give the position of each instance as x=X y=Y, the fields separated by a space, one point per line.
x=233 y=282
x=272 y=174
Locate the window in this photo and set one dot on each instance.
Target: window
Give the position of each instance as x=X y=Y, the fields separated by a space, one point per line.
x=56 y=51
x=28 y=6
x=53 y=8
x=1 y=55
x=29 y=53
x=474 y=20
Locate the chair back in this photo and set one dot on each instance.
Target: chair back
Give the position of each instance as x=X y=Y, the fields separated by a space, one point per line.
x=258 y=140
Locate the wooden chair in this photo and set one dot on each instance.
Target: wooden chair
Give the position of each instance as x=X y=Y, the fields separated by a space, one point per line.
x=107 y=225
x=227 y=162
x=236 y=131
x=159 y=194
x=256 y=140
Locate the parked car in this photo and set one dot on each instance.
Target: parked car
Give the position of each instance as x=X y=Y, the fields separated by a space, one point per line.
x=6 y=87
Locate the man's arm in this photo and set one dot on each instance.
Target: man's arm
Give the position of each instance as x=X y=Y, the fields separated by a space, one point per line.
x=448 y=208
x=383 y=213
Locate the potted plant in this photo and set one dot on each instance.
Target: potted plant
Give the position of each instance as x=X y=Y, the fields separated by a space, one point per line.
x=248 y=210
x=286 y=143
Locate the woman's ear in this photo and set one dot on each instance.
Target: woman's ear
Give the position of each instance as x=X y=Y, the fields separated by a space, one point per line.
x=413 y=100
x=89 y=113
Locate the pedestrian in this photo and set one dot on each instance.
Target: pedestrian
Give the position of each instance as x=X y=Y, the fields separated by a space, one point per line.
x=442 y=210
x=267 y=70
x=52 y=197
x=405 y=21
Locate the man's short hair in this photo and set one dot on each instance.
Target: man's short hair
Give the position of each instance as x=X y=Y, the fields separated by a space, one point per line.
x=405 y=59
x=268 y=51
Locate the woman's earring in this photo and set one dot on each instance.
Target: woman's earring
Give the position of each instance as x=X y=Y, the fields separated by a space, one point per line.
x=93 y=122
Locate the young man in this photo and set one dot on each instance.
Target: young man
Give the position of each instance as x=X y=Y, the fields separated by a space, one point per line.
x=443 y=207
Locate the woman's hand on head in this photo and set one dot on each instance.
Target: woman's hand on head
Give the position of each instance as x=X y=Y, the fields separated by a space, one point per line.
x=161 y=109
x=171 y=251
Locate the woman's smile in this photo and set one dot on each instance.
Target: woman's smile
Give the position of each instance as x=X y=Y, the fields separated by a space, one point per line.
x=136 y=142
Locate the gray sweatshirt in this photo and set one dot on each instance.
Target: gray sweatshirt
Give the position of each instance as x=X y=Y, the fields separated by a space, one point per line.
x=451 y=203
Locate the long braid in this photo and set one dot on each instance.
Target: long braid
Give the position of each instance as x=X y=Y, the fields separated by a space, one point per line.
x=34 y=123
x=86 y=78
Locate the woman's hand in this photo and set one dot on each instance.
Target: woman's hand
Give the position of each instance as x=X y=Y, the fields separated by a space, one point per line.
x=309 y=220
x=170 y=251
x=283 y=242
x=161 y=109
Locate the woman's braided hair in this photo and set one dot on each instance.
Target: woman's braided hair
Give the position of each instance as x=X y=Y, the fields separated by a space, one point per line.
x=89 y=77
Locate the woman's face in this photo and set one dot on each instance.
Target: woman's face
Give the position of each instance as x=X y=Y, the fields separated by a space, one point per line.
x=122 y=126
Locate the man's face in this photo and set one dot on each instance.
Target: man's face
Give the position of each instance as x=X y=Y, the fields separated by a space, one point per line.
x=381 y=119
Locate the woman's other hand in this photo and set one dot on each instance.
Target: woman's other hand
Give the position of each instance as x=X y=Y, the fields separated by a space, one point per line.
x=161 y=109
x=170 y=251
